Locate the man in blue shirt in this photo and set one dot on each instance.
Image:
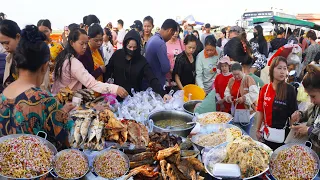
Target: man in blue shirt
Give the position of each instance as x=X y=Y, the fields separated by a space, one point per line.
x=156 y=51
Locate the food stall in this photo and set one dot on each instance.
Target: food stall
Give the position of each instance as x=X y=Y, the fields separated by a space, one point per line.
x=158 y=141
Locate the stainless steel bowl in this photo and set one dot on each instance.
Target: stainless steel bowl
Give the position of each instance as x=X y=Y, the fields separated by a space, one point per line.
x=54 y=171
x=206 y=159
x=190 y=105
x=287 y=146
x=171 y=114
x=208 y=129
x=42 y=140
x=105 y=151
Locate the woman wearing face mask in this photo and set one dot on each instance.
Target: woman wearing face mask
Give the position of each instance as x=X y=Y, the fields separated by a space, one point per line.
x=128 y=67
x=9 y=38
x=25 y=108
x=92 y=59
x=70 y=72
x=311 y=83
x=185 y=66
x=199 y=44
x=277 y=102
x=174 y=47
x=206 y=64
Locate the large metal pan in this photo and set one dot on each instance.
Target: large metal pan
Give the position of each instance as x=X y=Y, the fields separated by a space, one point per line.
x=286 y=146
x=206 y=161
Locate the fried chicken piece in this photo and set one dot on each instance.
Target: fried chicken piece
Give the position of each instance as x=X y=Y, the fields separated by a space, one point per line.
x=134 y=164
x=146 y=170
x=186 y=168
x=196 y=164
x=171 y=173
x=142 y=156
x=162 y=154
x=155 y=147
x=163 y=167
x=178 y=172
x=174 y=158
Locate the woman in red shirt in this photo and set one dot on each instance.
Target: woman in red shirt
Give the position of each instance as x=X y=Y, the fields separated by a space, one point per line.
x=241 y=91
x=221 y=83
x=277 y=102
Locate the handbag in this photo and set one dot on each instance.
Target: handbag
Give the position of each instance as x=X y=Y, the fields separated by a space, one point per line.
x=275 y=135
x=241 y=116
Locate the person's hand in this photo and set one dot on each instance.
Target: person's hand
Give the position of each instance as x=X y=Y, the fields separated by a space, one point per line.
x=295 y=117
x=103 y=68
x=122 y=92
x=221 y=101
x=300 y=130
x=240 y=100
x=68 y=107
x=166 y=97
x=229 y=99
x=259 y=135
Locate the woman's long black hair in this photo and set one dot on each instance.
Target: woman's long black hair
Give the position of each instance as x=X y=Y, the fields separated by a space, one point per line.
x=68 y=52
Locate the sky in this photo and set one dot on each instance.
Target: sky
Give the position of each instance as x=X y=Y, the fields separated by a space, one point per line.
x=65 y=12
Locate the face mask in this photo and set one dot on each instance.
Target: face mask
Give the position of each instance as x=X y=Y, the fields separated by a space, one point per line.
x=255 y=34
x=130 y=52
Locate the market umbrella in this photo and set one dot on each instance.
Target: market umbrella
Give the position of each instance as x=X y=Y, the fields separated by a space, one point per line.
x=284 y=51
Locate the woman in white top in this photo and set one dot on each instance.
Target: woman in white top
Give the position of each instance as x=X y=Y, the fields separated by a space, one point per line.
x=107 y=46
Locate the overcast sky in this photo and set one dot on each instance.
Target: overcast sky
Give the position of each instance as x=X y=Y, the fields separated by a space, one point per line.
x=64 y=12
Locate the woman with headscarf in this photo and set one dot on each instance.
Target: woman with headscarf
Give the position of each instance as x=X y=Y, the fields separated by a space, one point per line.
x=128 y=67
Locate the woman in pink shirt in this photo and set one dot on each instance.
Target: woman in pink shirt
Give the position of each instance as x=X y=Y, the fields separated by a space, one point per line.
x=175 y=46
x=69 y=71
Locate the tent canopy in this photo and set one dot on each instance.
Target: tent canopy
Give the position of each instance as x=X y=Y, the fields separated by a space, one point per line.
x=281 y=20
x=190 y=20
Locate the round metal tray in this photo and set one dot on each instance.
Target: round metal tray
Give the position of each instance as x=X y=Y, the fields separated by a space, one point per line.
x=42 y=140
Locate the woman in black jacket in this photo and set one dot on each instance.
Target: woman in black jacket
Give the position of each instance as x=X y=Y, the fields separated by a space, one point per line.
x=127 y=67
x=184 y=71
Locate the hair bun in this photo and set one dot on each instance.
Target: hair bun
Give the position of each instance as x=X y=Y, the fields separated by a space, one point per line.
x=32 y=34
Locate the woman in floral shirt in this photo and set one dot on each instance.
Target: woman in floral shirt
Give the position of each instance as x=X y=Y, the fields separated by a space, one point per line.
x=24 y=107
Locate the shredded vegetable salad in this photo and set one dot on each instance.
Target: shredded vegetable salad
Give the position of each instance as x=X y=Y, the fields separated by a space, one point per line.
x=24 y=157
x=294 y=163
x=110 y=164
x=71 y=164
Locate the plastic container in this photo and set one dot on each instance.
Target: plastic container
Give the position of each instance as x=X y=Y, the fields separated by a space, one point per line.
x=193 y=92
x=226 y=170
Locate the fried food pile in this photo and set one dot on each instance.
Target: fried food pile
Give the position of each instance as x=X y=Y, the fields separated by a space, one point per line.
x=170 y=165
x=93 y=128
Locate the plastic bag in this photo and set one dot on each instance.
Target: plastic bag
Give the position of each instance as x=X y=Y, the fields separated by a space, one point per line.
x=302 y=96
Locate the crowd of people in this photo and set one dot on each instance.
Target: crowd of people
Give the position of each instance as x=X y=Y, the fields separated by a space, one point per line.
x=97 y=57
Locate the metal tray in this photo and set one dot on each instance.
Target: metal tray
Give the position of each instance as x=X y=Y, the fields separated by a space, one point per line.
x=42 y=140
x=207 y=129
x=205 y=160
x=286 y=146
x=56 y=175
